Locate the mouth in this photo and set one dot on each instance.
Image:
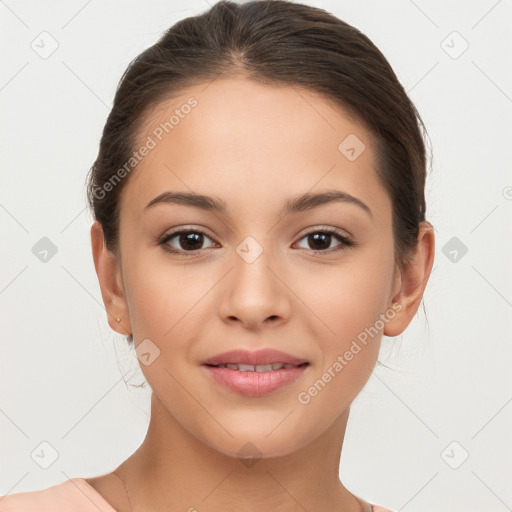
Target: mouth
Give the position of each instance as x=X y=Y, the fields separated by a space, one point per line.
x=255 y=380
x=259 y=359
x=258 y=367
x=255 y=373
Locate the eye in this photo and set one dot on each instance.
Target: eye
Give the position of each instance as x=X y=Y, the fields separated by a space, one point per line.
x=187 y=240
x=191 y=241
x=321 y=240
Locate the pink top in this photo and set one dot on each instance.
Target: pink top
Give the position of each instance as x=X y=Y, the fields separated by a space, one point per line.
x=74 y=494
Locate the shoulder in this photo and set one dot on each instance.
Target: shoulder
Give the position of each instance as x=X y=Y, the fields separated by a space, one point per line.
x=75 y=493
x=376 y=508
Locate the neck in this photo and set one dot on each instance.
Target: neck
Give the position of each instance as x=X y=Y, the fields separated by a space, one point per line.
x=172 y=470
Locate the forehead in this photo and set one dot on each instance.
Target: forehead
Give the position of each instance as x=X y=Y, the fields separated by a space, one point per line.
x=238 y=139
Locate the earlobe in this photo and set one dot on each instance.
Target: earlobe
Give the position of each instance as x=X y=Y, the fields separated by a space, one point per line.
x=108 y=272
x=413 y=278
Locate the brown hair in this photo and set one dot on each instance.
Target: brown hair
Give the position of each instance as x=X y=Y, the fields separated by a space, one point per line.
x=272 y=42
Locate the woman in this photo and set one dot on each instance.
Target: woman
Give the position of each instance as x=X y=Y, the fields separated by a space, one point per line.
x=259 y=225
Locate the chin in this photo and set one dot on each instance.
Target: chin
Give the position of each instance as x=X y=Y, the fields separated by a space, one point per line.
x=270 y=440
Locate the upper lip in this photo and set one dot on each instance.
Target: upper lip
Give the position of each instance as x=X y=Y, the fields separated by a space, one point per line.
x=257 y=357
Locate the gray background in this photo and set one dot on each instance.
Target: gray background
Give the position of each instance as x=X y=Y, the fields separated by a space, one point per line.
x=62 y=367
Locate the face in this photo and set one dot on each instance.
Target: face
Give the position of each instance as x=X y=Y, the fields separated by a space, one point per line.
x=315 y=280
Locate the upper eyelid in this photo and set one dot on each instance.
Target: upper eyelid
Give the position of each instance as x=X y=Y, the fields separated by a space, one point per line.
x=185 y=230
x=192 y=229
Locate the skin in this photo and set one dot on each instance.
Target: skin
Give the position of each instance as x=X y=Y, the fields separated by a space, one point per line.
x=253 y=146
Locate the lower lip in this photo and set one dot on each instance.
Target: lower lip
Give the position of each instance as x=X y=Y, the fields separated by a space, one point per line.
x=255 y=383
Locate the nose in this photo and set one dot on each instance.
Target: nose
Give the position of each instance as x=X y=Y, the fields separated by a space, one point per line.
x=254 y=293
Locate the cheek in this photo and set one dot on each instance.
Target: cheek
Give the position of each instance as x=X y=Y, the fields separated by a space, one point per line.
x=163 y=298
x=350 y=306
x=348 y=298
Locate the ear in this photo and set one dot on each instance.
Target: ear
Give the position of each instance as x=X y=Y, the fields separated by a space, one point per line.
x=108 y=270
x=410 y=283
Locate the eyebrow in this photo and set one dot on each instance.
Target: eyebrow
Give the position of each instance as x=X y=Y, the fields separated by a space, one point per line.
x=296 y=204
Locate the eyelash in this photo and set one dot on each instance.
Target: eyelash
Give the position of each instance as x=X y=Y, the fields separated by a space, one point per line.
x=346 y=241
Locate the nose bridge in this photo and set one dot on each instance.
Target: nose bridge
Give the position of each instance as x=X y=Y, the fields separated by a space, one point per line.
x=254 y=292
x=252 y=260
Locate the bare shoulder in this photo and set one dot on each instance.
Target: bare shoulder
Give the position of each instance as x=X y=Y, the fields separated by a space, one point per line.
x=376 y=508
x=74 y=491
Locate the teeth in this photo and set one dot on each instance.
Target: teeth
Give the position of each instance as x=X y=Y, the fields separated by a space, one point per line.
x=256 y=368
x=246 y=367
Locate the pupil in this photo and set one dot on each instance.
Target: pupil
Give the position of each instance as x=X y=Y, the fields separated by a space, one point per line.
x=322 y=237
x=187 y=240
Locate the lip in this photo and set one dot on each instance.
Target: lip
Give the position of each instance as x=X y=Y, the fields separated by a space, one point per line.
x=253 y=383
x=254 y=357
